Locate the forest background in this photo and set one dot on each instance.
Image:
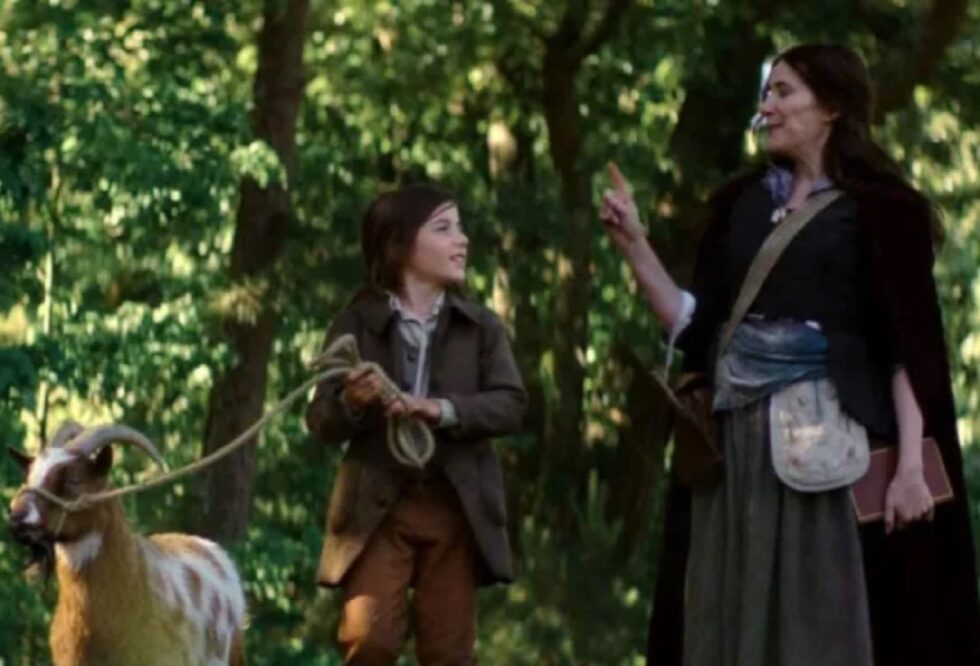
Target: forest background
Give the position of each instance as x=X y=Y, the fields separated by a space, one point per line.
x=181 y=184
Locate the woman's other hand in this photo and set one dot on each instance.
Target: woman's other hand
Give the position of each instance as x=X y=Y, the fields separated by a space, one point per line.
x=907 y=500
x=619 y=213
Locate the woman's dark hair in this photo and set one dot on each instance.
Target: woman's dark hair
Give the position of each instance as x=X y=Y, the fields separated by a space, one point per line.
x=388 y=231
x=839 y=78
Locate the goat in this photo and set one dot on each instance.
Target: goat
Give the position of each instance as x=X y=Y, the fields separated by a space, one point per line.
x=123 y=599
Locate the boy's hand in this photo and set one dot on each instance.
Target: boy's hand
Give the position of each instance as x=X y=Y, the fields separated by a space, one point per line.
x=425 y=409
x=362 y=387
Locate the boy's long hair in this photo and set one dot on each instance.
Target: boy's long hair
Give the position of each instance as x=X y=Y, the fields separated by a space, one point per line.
x=388 y=231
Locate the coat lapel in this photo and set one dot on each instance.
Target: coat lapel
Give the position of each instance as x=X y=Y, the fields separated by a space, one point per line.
x=385 y=343
x=455 y=306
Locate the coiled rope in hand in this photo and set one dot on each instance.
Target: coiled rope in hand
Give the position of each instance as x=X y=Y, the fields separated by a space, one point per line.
x=409 y=439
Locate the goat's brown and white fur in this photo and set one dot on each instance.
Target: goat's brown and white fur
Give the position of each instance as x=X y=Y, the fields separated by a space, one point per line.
x=166 y=599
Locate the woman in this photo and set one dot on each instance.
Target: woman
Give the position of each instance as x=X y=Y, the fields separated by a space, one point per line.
x=766 y=574
x=440 y=530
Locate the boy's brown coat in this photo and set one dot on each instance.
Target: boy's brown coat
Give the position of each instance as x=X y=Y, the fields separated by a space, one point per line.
x=473 y=367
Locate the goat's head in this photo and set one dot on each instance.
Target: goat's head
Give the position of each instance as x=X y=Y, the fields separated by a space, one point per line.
x=76 y=461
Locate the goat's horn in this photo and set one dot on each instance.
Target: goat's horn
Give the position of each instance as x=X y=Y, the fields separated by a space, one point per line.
x=93 y=439
x=67 y=431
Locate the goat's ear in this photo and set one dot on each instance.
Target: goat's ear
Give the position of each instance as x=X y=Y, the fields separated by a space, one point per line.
x=103 y=461
x=21 y=458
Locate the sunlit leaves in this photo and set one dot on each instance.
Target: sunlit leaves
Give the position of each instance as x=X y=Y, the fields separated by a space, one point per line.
x=124 y=132
x=259 y=162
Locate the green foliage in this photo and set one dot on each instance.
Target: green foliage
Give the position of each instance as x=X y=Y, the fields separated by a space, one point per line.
x=28 y=604
x=124 y=134
x=19 y=248
x=576 y=606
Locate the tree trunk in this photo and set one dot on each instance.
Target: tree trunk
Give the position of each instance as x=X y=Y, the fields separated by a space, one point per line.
x=915 y=56
x=639 y=458
x=515 y=186
x=562 y=441
x=262 y=220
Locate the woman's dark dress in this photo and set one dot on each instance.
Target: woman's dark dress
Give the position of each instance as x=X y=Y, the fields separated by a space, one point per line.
x=874 y=294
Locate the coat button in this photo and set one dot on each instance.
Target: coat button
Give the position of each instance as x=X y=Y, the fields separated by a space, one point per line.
x=383 y=501
x=413 y=355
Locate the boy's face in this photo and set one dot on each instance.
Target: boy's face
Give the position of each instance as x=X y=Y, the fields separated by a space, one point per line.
x=439 y=255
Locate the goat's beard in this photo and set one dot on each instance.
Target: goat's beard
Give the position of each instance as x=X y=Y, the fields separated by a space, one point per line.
x=40 y=561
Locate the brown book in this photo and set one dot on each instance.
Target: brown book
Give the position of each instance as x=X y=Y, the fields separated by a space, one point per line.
x=868 y=493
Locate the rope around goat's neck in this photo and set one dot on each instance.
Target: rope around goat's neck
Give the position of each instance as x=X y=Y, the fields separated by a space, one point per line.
x=336 y=360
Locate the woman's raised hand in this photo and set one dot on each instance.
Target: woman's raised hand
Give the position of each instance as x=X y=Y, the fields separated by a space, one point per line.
x=618 y=211
x=622 y=221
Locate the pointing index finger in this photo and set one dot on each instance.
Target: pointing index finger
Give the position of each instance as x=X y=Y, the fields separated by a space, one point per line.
x=617 y=179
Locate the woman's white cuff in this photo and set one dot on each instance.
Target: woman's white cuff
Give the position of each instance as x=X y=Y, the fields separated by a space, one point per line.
x=688 y=306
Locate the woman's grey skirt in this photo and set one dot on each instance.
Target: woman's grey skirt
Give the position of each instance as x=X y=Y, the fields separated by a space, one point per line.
x=775 y=577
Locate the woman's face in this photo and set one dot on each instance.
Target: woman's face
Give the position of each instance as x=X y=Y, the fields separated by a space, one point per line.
x=797 y=126
x=439 y=254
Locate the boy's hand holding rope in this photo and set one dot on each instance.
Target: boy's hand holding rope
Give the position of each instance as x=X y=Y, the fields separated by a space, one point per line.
x=410 y=441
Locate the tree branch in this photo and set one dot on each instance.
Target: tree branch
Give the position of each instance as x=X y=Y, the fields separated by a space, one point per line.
x=572 y=25
x=884 y=25
x=913 y=61
x=505 y=10
x=522 y=79
x=615 y=11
